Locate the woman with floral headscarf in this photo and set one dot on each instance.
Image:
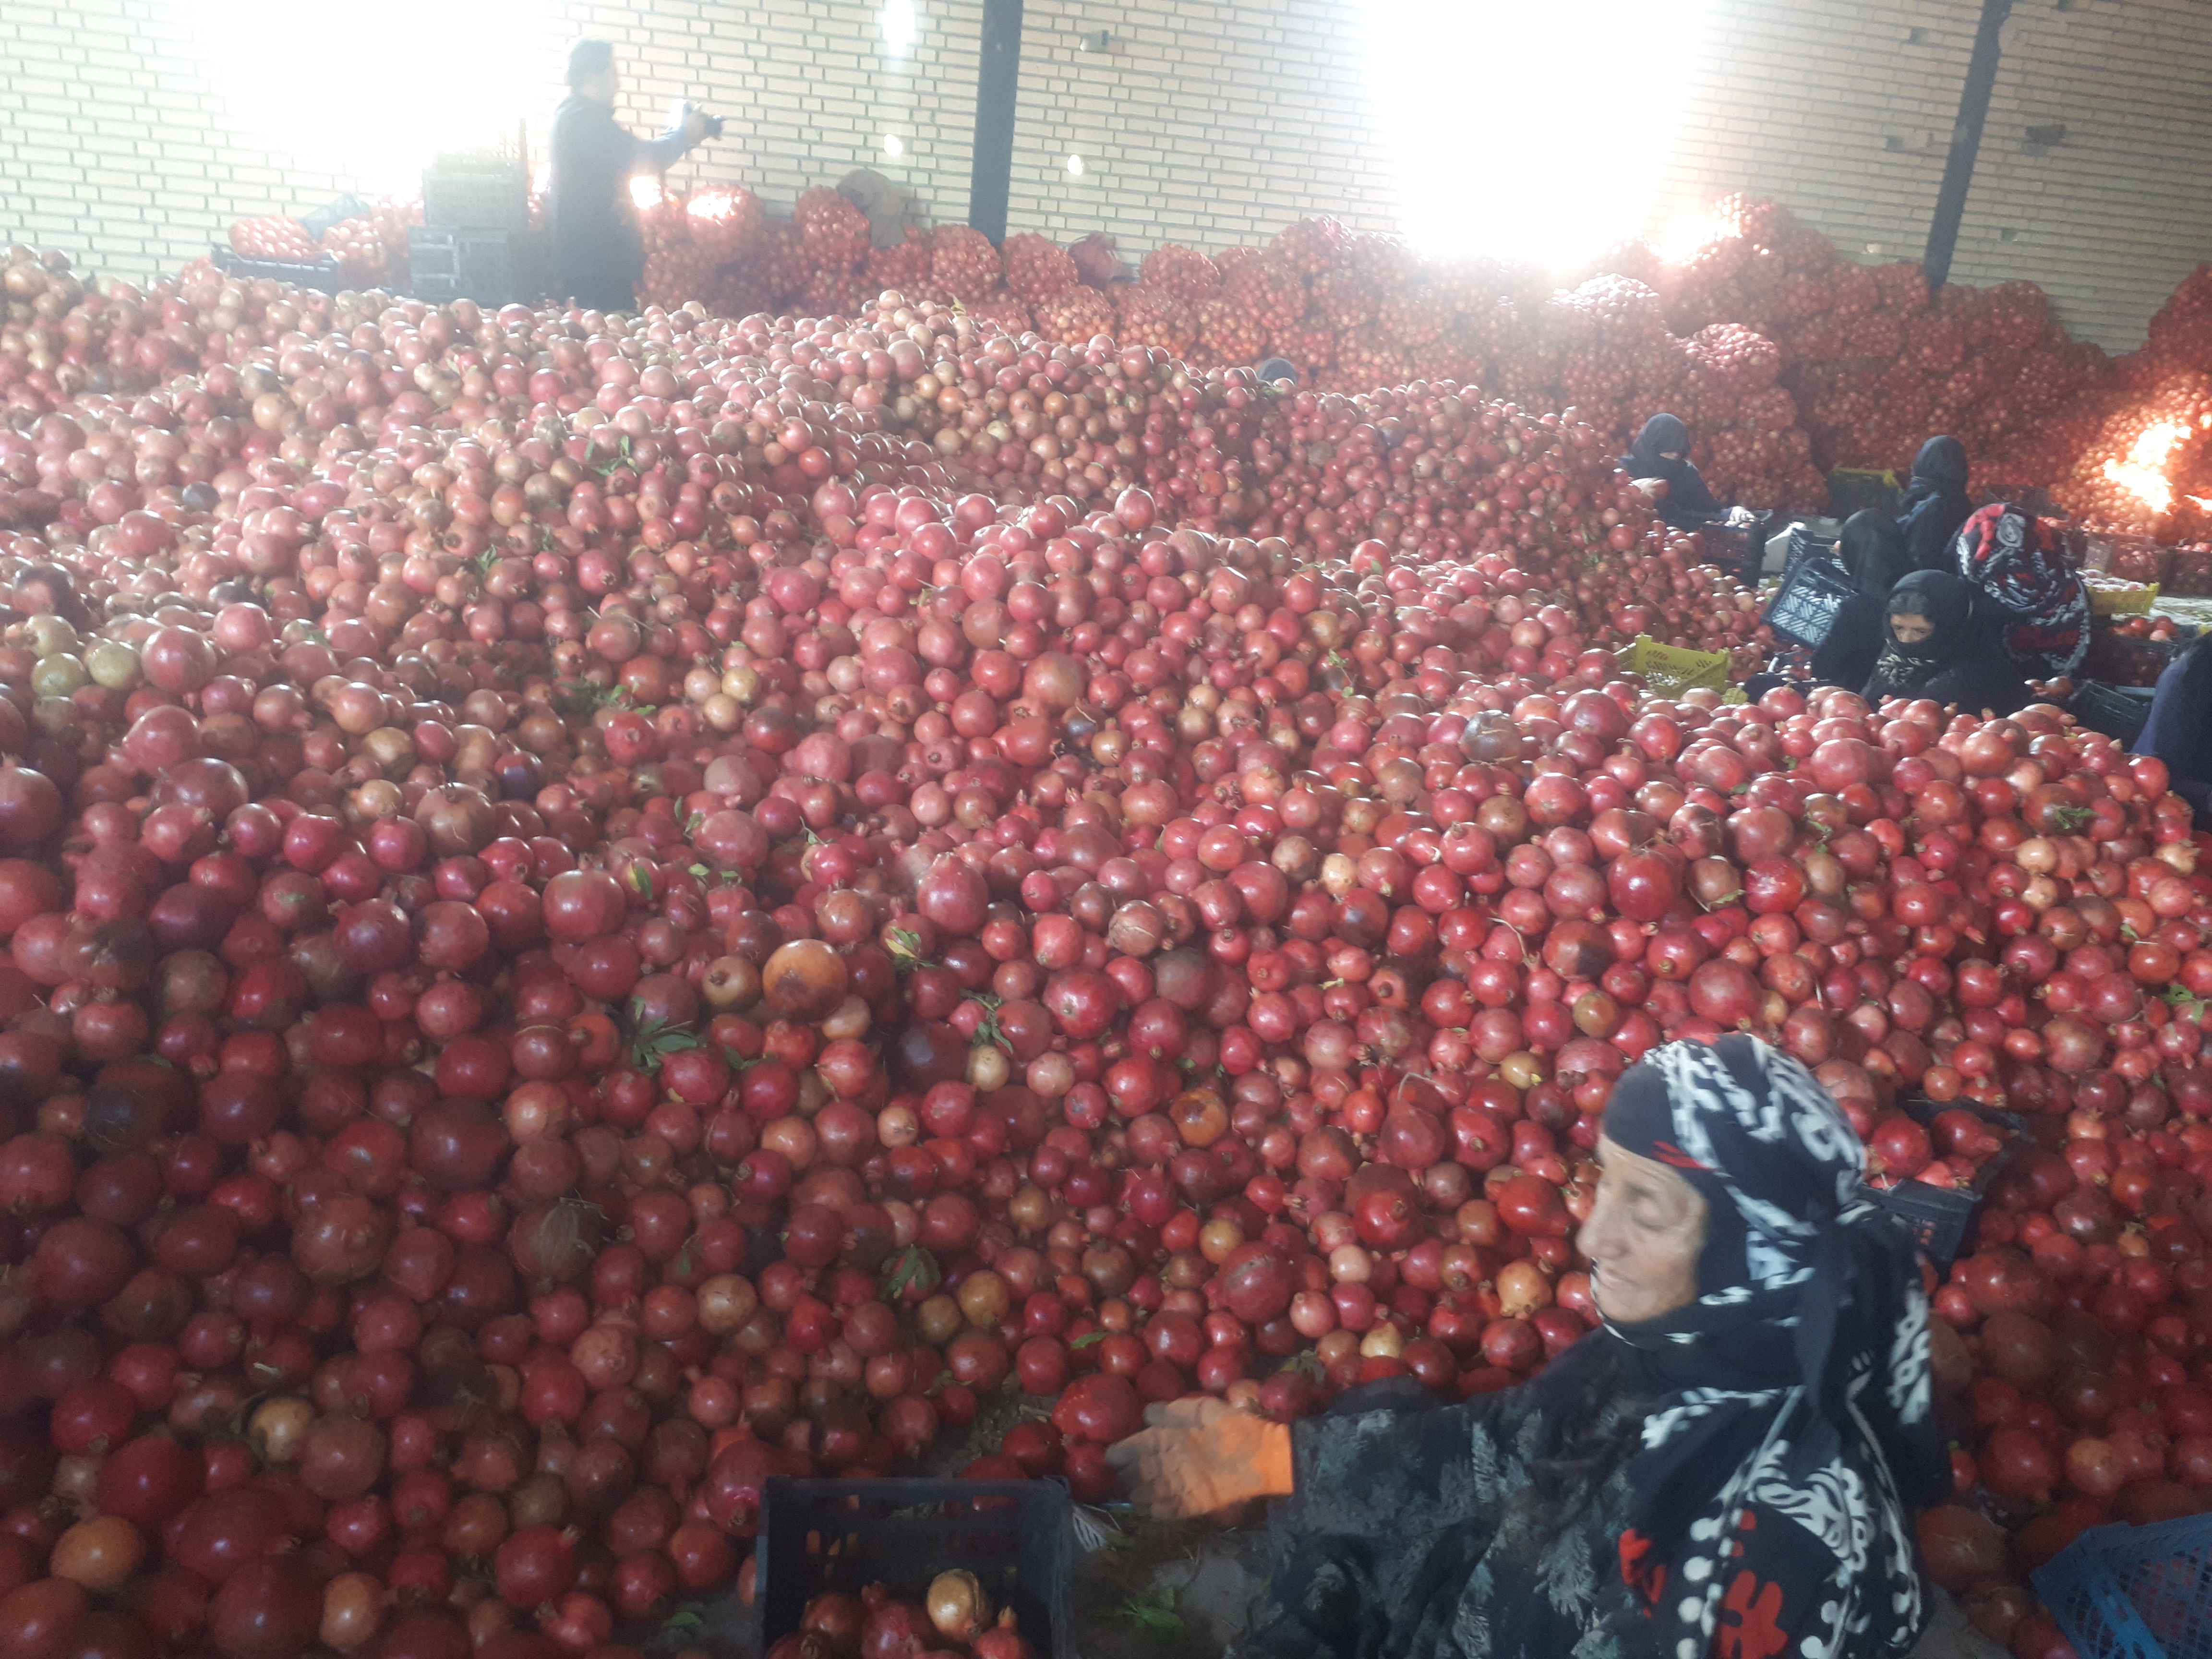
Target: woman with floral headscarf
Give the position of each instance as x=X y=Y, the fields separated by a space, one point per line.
x=1726 y=1468
x=2038 y=607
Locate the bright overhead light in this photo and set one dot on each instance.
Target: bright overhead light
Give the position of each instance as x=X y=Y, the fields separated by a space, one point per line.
x=1580 y=105
x=377 y=125
x=894 y=146
x=901 y=26
x=1075 y=167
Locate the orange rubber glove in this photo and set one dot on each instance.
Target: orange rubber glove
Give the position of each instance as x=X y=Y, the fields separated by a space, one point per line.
x=1201 y=1457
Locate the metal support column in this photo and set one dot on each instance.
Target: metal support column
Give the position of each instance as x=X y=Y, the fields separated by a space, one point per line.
x=1965 y=142
x=997 y=76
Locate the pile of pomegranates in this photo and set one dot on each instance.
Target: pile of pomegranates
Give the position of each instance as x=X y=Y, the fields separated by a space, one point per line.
x=601 y=911
x=953 y=1620
x=1787 y=358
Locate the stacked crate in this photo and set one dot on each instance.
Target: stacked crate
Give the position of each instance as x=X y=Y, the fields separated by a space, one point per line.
x=475 y=241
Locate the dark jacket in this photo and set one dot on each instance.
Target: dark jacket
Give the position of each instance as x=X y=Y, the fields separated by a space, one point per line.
x=598 y=253
x=1959 y=663
x=1688 y=504
x=1873 y=552
x=1855 y=638
x=2180 y=729
x=1936 y=504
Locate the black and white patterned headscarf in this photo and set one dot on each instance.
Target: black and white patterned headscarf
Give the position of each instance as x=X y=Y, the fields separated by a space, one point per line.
x=2016 y=559
x=1799 y=1379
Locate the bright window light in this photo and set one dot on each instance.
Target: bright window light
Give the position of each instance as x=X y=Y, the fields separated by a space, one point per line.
x=1537 y=133
x=1075 y=167
x=373 y=105
x=894 y=146
x=901 y=26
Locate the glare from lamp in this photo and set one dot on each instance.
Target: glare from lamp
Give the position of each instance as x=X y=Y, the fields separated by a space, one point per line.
x=894 y=146
x=2144 y=473
x=1075 y=167
x=1537 y=133
x=395 y=107
x=1686 y=233
x=901 y=26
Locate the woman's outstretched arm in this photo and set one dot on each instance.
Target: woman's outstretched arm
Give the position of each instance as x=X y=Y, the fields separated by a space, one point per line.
x=1201 y=1457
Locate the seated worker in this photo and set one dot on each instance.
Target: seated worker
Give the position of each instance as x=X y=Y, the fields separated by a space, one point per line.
x=1936 y=504
x=1660 y=454
x=1935 y=646
x=1726 y=1469
x=1873 y=552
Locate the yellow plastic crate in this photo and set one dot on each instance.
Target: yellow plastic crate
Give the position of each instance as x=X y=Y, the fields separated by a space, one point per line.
x=1672 y=670
x=2123 y=601
x=1851 y=488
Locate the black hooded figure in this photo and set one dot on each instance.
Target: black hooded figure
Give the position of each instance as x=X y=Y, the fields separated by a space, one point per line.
x=1936 y=504
x=1873 y=551
x=1662 y=450
x=1957 y=661
x=2178 y=730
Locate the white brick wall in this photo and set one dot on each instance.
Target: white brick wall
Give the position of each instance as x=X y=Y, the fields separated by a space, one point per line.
x=2119 y=212
x=112 y=144
x=808 y=91
x=1215 y=122
x=1800 y=100
x=1207 y=133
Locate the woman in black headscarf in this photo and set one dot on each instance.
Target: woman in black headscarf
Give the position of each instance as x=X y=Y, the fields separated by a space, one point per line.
x=1936 y=503
x=1873 y=551
x=1661 y=453
x=1726 y=1468
x=1935 y=646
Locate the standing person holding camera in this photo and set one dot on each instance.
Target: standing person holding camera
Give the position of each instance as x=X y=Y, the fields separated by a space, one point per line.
x=598 y=252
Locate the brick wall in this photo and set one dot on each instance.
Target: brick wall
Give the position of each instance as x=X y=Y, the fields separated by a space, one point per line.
x=1211 y=123
x=2121 y=210
x=1848 y=121
x=1845 y=113
x=1208 y=136
x=808 y=92
x=116 y=144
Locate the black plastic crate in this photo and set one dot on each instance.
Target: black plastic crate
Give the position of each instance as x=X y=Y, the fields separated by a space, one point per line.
x=1806 y=542
x=1938 y=1218
x=1014 y=1535
x=1740 y=550
x=337 y=212
x=495 y=199
x=323 y=276
x=1803 y=609
x=491 y=267
x=2117 y=711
